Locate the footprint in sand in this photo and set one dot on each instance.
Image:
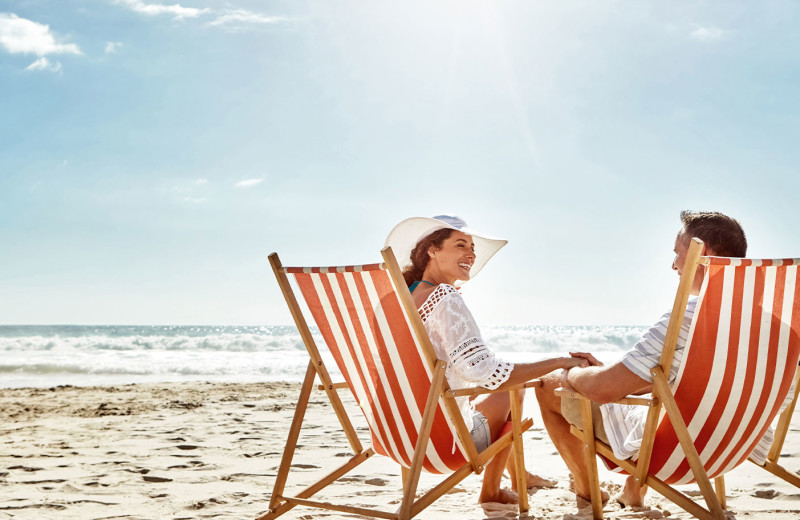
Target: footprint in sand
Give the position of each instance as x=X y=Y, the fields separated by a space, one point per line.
x=143 y=471
x=25 y=468
x=148 y=478
x=376 y=481
x=200 y=504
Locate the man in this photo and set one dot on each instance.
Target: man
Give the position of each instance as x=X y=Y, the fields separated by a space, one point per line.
x=622 y=426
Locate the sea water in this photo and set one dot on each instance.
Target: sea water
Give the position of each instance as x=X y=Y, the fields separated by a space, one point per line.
x=45 y=356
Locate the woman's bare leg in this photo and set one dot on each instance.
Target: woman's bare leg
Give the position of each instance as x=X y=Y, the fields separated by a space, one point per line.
x=496 y=408
x=533 y=481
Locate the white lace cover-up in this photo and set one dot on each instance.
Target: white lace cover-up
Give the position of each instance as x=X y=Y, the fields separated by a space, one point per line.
x=457 y=340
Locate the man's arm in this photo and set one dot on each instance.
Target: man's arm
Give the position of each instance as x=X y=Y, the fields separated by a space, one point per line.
x=604 y=384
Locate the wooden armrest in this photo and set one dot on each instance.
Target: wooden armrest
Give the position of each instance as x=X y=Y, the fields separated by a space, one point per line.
x=458 y=392
x=648 y=400
x=334 y=386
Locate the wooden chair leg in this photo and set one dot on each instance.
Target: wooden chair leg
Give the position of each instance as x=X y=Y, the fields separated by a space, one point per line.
x=519 y=456
x=410 y=488
x=719 y=487
x=689 y=450
x=294 y=432
x=591 y=459
x=405 y=474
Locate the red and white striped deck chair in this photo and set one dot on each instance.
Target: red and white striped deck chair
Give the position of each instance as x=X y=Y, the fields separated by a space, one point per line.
x=771 y=463
x=739 y=363
x=368 y=320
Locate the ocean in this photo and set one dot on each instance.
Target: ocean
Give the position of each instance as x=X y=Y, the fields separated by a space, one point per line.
x=80 y=355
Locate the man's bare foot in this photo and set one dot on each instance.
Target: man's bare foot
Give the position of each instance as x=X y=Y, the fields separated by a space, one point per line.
x=503 y=496
x=631 y=495
x=535 y=481
x=585 y=499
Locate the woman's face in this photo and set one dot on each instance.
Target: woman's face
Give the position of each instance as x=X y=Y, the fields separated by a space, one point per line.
x=454 y=259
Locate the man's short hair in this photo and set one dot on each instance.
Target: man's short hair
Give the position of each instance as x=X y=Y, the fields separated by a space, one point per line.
x=721 y=233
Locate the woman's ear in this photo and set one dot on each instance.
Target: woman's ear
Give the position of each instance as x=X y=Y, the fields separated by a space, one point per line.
x=431 y=252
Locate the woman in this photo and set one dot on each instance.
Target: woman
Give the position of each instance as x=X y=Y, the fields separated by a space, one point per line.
x=439 y=252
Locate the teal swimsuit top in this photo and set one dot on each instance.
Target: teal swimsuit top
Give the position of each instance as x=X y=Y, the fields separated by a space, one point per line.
x=415 y=284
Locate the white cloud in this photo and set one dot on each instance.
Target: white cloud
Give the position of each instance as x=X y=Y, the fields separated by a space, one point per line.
x=44 y=64
x=201 y=181
x=176 y=10
x=111 y=47
x=249 y=183
x=22 y=36
x=195 y=200
x=238 y=17
x=708 y=34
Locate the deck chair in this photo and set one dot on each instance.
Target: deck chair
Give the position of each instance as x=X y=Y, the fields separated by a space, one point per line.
x=772 y=463
x=738 y=365
x=368 y=320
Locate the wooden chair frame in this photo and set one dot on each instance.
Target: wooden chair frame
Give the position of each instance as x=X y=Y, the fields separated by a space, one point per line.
x=410 y=506
x=662 y=399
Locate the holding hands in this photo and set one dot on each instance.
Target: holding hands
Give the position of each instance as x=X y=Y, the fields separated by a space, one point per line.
x=580 y=360
x=590 y=359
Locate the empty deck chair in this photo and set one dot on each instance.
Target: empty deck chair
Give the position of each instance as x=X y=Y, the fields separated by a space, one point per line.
x=739 y=363
x=368 y=320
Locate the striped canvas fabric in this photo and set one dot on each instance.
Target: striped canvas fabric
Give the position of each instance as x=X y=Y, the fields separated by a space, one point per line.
x=362 y=321
x=738 y=366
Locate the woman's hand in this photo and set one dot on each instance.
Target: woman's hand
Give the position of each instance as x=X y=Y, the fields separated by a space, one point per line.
x=575 y=361
x=590 y=359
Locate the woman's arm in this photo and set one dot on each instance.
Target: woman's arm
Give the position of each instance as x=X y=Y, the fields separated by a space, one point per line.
x=524 y=372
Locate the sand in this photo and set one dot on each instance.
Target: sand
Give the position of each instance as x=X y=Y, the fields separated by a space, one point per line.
x=211 y=450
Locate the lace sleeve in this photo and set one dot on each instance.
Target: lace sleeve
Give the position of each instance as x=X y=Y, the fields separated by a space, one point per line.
x=459 y=339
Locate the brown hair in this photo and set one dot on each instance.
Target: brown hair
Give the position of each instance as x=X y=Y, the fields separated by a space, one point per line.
x=720 y=233
x=419 y=255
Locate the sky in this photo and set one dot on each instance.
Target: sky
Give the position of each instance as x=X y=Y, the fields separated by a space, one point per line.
x=152 y=155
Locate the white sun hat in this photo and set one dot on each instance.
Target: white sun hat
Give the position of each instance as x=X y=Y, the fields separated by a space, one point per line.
x=405 y=236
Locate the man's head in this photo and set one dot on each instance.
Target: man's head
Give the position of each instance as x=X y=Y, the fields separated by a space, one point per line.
x=721 y=236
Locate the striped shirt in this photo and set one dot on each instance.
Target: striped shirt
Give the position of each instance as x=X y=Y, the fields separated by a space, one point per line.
x=624 y=424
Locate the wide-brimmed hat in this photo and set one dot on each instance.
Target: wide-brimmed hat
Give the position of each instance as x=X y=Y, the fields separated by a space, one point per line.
x=407 y=234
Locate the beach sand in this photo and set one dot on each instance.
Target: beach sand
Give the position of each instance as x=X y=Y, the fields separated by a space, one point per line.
x=211 y=450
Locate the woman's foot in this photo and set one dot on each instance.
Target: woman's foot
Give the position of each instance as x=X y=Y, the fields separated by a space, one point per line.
x=631 y=495
x=535 y=481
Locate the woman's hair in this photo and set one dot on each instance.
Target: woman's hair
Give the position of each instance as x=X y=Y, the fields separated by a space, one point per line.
x=419 y=255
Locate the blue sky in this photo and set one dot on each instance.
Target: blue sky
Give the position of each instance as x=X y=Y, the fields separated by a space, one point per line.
x=153 y=155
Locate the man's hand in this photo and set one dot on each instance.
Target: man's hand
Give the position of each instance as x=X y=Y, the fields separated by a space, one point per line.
x=593 y=361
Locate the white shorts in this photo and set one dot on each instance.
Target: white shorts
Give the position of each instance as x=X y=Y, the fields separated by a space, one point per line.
x=480 y=433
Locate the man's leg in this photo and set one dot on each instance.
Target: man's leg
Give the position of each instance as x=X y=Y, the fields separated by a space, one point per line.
x=569 y=447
